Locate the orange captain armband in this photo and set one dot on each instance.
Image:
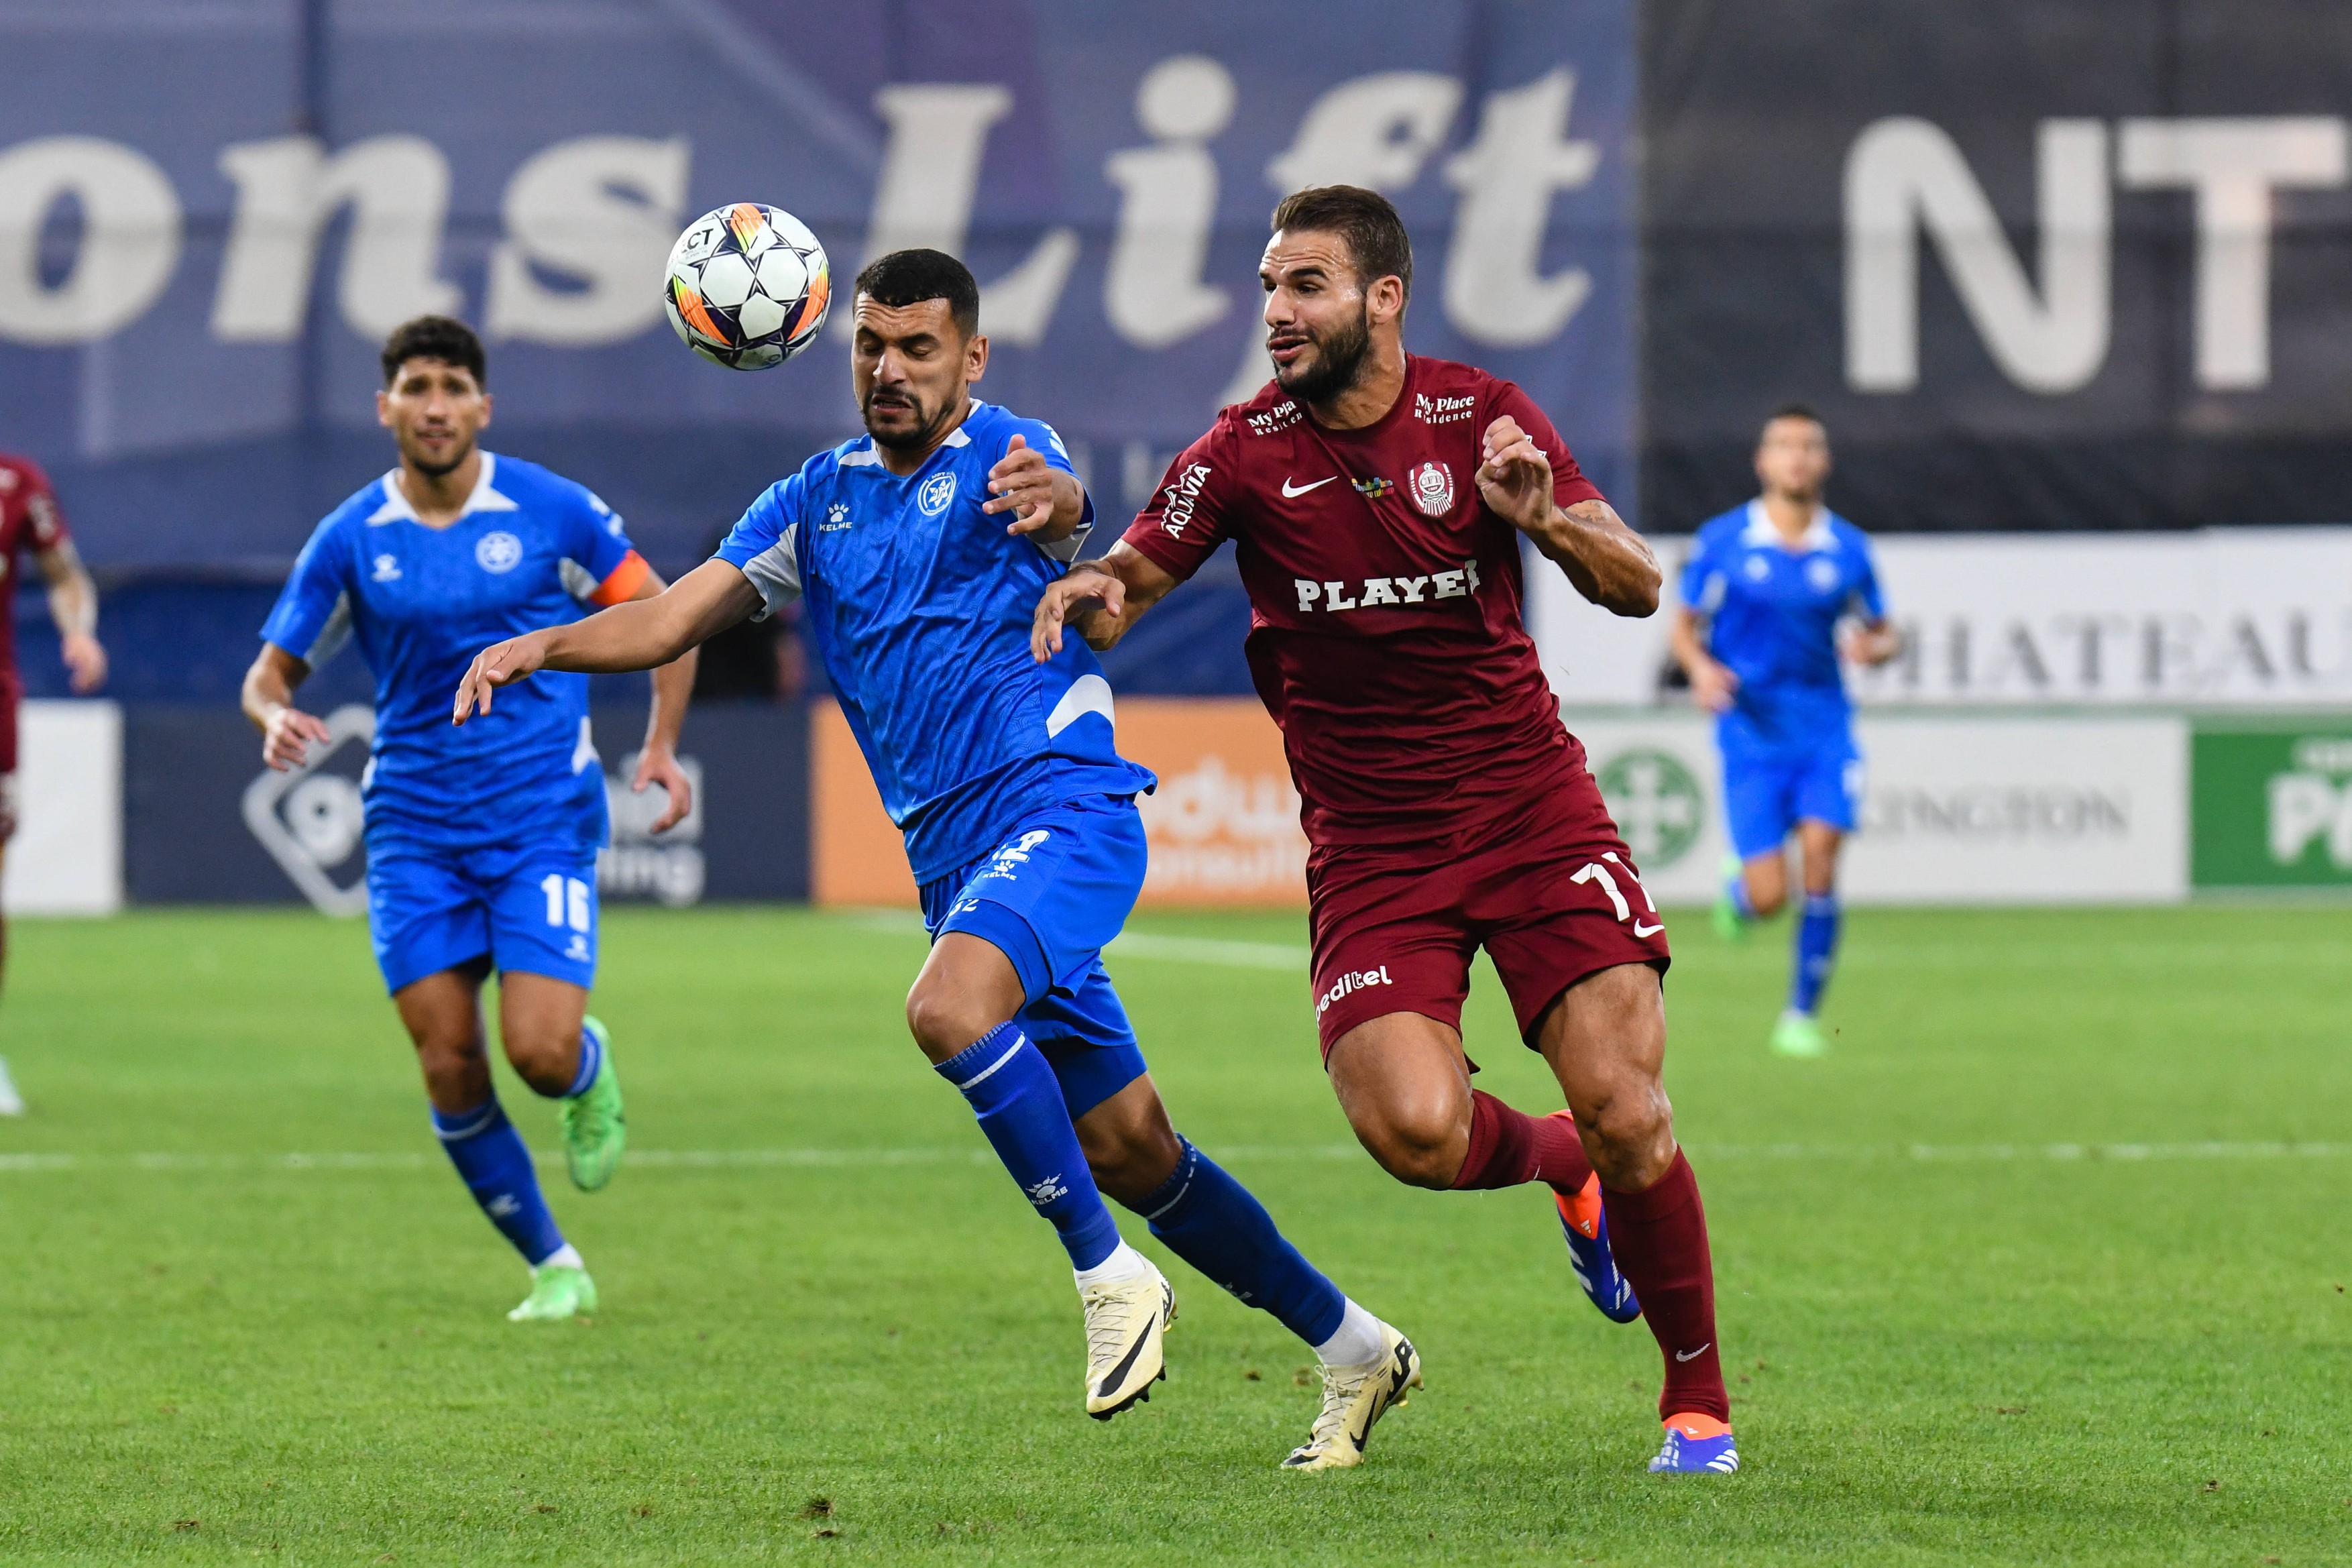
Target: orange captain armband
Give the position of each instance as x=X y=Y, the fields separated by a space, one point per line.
x=622 y=584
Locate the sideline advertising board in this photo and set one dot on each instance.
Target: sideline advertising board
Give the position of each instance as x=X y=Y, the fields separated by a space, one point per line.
x=2271 y=803
x=2227 y=618
x=1223 y=823
x=67 y=856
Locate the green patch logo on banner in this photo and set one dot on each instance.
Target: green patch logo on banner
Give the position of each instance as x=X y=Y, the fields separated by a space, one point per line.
x=2271 y=806
x=1658 y=805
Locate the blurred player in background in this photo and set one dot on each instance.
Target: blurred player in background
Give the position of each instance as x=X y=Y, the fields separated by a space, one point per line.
x=1378 y=500
x=29 y=521
x=1019 y=815
x=1767 y=585
x=481 y=845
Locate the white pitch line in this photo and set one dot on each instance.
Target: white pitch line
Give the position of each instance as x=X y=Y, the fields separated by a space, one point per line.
x=730 y=1158
x=1142 y=945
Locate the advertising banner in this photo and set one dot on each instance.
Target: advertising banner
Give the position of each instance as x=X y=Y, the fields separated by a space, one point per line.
x=2247 y=617
x=2040 y=264
x=203 y=822
x=67 y=856
x=1223 y=823
x=1953 y=810
x=244 y=198
x=2271 y=803
x=2020 y=811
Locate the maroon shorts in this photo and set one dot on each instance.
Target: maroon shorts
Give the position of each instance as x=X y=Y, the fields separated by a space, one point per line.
x=1552 y=894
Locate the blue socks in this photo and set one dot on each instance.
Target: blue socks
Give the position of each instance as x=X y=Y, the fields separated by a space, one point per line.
x=1817 y=937
x=496 y=1168
x=591 y=1059
x=1019 y=1102
x=1212 y=1223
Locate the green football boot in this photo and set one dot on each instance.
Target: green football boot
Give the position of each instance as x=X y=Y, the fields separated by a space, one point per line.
x=557 y=1290
x=595 y=1129
x=1799 y=1035
x=1726 y=914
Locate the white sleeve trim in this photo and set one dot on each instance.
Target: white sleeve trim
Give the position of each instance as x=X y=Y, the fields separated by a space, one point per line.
x=775 y=572
x=332 y=636
x=577 y=579
x=1067 y=550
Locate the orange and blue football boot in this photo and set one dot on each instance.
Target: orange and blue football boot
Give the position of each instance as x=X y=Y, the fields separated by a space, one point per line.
x=1585 y=1227
x=1696 y=1445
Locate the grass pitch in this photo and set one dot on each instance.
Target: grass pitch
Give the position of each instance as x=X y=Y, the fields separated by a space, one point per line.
x=2045 y=1264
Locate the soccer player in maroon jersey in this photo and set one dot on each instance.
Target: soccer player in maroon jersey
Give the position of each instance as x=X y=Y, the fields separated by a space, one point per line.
x=29 y=520
x=1377 y=500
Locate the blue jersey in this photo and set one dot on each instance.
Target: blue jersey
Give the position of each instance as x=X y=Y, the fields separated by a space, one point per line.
x=1772 y=619
x=529 y=550
x=919 y=604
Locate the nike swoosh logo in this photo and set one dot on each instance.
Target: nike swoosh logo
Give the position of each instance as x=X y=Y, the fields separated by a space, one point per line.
x=1641 y=930
x=1692 y=1355
x=1289 y=493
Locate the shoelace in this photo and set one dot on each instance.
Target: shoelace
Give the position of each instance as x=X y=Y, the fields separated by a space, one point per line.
x=1107 y=1329
x=1341 y=1385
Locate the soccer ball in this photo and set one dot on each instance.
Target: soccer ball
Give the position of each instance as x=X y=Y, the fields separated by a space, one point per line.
x=747 y=286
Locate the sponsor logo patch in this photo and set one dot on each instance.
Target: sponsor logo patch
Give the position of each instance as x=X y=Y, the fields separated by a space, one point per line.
x=1372 y=490
x=1441 y=410
x=1182 y=496
x=1355 y=979
x=1281 y=416
x=1370 y=593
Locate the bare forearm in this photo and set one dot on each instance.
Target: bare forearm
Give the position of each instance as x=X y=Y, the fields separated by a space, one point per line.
x=1609 y=563
x=1145 y=586
x=1069 y=509
x=644 y=634
x=1683 y=639
x=73 y=606
x=673 y=690
x=269 y=683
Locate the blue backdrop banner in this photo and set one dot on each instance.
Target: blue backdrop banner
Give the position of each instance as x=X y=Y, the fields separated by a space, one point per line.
x=210 y=215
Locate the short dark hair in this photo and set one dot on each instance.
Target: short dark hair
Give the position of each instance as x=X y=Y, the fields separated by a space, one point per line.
x=910 y=277
x=1366 y=219
x=443 y=338
x=1794 y=411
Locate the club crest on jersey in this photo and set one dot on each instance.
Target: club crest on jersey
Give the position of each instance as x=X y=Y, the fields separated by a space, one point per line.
x=1431 y=484
x=937 y=493
x=497 y=552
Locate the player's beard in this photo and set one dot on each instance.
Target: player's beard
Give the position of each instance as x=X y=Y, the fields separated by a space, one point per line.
x=1339 y=360
x=916 y=439
x=438 y=471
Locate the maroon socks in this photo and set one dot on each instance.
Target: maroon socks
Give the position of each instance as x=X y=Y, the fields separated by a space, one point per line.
x=1509 y=1148
x=1659 y=1236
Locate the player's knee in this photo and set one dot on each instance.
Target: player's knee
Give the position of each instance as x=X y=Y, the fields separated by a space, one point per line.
x=1767 y=900
x=543 y=1056
x=1629 y=1133
x=942 y=1021
x=1130 y=1162
x=1421 y=1148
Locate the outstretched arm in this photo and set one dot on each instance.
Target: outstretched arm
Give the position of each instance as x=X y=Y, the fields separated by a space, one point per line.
x=657 y=759
x=1101 y=598
x=640 y=635
x=1608 y=563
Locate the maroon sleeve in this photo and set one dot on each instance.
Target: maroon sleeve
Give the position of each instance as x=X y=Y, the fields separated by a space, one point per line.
x=1185 y=521
x=45 y=525
x=1569 y=484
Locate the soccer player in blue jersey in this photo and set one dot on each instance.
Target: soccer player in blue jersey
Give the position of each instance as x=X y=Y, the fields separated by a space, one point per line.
x=917 y=552
x=481 y=844
x=1765 y=589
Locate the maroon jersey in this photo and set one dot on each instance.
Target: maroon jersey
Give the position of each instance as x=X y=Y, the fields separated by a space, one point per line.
x=1385 y=634
x=29 y=520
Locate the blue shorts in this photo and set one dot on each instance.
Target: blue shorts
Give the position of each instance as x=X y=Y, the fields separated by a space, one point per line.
x=528 y=907
x=1766 y=795
x=1050 y=898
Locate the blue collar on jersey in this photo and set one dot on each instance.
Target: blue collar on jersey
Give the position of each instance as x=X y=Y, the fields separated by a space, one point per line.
x=396 y=507
x=1759 y=529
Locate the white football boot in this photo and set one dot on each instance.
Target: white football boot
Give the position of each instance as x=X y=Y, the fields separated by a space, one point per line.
x=1125 y=1321
x=1354 y=1397
x=11 y=1102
